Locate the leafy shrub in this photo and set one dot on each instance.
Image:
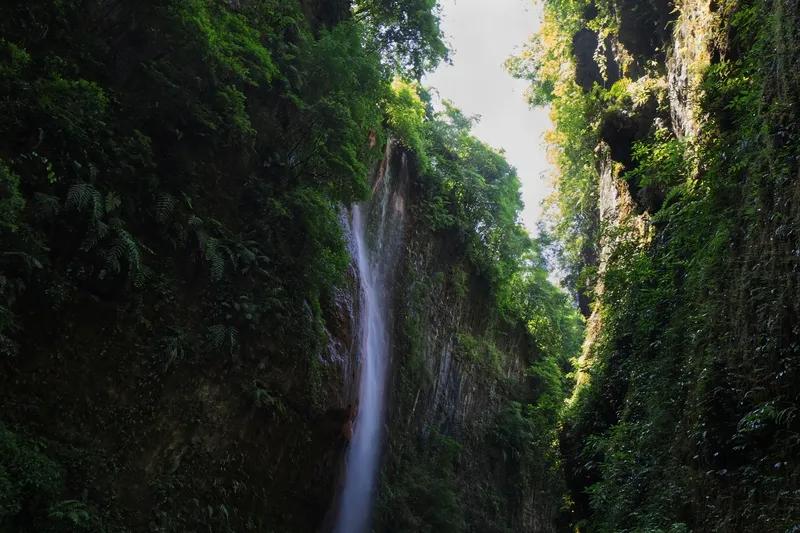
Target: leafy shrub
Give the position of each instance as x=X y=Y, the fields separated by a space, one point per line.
x=405 y=117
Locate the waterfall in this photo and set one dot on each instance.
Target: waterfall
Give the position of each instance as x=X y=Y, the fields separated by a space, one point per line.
x=376 y=231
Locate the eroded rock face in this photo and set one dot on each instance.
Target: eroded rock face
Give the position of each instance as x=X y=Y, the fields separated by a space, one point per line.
x=644 y=27
x=588 y=70
x=758 y=195
x=642 y=35
x=689 y=55
x=451 y=394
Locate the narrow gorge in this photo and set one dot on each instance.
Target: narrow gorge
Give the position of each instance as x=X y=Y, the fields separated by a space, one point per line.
x=255 y=275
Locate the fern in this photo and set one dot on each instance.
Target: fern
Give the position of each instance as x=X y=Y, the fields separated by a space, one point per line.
x=216 y=335
x=216 y=262
x=123 y=248
x=195 y=222
x=246 y=255
x=233 y=339
x=113 y=202
x=120 y=248
x=83 y=198
x=165 y=205
x=211 y=248
x=79 y=196
x=224 y=337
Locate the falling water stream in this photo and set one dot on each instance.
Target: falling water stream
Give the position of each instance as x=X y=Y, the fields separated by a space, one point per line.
x=375 y=232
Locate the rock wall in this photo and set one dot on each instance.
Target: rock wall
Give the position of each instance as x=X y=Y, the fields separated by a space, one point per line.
x=455 y=367
x=674 y=424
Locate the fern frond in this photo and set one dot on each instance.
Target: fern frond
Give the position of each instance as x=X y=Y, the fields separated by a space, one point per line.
x=132 y=253
x=82 y=197
x=165 y=205
x=222 y=336
x=78 y=196
x=98 y=207
x=113 y=201
x=216 y=262
x=113 y=256
x=188 y=200
x=195 y=221
x=247 y=255
x=123 y=248
x=73 y=513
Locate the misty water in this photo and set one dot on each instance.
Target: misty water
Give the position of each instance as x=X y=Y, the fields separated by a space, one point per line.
x=376 y=228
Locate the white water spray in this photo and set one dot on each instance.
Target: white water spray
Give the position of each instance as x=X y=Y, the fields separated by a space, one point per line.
x=374 y=271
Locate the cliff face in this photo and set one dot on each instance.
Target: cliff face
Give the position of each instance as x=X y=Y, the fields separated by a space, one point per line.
x=457 y=369
x=681 y=417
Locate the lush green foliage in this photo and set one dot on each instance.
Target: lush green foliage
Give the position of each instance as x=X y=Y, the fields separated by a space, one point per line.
x=471 y=192
x=407 y=31
x=171 y=179
x=405 y=112
x=216 y=92
x=546 y=309
x=683 y=419
x=171 y=175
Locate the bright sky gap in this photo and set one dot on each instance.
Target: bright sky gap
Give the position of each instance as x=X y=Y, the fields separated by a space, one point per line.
x=481 y=36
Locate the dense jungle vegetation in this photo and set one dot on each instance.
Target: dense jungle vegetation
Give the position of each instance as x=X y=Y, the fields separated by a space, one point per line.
x=174 y=270
x=172 y=176
x=684 y=417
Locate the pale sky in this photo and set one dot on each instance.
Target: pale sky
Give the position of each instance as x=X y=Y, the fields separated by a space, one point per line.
x=481 y=35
